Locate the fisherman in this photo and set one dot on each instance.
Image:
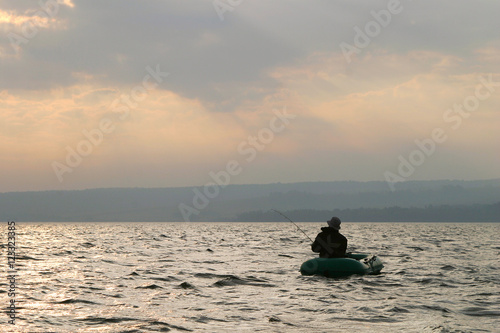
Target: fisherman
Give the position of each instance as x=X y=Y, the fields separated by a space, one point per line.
x=330 y=243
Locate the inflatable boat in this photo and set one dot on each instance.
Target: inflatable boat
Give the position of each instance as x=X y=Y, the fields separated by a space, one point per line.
x=339 y=267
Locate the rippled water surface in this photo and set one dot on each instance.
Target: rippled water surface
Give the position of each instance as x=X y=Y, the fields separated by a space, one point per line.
x=224 y=277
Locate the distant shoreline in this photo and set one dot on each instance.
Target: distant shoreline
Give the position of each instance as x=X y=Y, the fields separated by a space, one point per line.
x=415 y=201
x=442 y=213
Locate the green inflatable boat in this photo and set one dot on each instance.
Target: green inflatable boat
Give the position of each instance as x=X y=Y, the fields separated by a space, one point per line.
x=339 y=267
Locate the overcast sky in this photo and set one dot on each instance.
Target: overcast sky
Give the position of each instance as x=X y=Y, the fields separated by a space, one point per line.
x=166 y=93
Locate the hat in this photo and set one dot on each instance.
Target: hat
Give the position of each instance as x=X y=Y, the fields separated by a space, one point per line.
x=334 y=223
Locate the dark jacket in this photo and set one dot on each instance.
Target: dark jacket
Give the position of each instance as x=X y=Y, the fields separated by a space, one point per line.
x=330 y=243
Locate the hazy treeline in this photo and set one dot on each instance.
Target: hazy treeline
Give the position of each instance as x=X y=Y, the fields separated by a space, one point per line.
x=355 y=200
x=443 y=213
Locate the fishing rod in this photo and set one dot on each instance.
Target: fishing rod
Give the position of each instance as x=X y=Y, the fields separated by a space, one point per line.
x=293 y=223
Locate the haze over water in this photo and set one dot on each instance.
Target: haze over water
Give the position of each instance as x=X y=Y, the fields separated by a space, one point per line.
x=223 y=277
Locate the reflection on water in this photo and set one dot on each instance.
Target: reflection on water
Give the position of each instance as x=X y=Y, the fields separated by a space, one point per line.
x=155 y=277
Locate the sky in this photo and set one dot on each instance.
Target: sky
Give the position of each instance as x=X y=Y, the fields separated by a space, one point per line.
x=97 y=94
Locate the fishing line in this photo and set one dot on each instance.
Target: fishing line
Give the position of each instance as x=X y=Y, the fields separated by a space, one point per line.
x=293 y=224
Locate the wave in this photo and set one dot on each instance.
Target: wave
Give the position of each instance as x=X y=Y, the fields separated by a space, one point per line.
x=75 y=300
x=249 y=281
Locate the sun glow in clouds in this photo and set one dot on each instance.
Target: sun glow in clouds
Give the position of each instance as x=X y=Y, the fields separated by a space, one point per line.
x=63 y=63
x=21 y=28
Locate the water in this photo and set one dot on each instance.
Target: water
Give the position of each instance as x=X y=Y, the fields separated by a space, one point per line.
x=223 y=277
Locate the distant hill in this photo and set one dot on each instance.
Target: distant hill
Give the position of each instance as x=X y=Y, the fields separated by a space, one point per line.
x=443 y=213
x=233 y=201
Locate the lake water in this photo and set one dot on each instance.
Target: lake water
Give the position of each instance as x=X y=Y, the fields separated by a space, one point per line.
x=228 y=277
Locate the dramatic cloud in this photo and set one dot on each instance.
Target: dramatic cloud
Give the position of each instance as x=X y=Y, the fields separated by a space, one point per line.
x=67 y=65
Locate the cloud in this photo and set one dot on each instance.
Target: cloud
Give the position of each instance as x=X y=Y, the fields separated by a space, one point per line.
x=227 y=76
x=225 y=63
